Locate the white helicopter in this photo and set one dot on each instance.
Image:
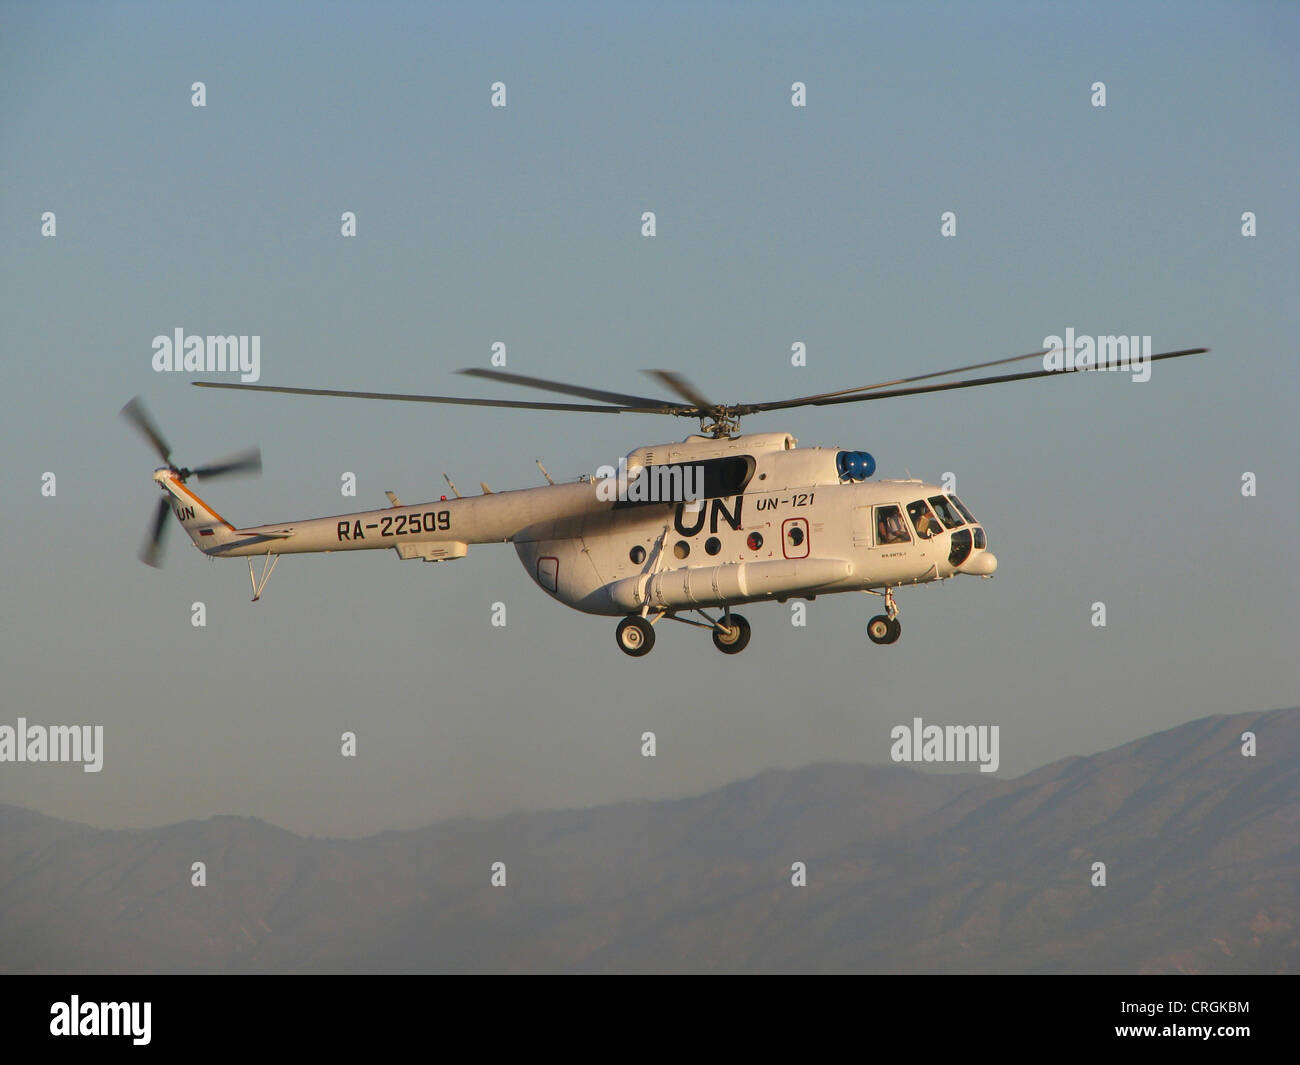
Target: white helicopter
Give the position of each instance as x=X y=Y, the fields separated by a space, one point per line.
x=718 y=520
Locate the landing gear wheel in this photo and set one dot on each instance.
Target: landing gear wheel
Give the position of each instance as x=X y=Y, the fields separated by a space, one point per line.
x=635 y=636
x=733 y=640
x=881 y=630
x=895 y=630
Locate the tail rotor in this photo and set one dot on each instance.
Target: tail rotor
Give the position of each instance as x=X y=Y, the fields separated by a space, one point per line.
x=247 y=461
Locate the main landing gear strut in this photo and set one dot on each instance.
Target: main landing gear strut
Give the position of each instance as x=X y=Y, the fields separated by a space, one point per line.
x=635 y=635
x=885 y=628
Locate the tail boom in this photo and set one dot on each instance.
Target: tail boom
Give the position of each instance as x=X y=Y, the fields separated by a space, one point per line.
x=417 y=531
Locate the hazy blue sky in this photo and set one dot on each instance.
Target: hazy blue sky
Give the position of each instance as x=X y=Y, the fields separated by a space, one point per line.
x=522 y=224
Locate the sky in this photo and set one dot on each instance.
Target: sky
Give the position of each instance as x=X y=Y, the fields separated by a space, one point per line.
x=522 y=224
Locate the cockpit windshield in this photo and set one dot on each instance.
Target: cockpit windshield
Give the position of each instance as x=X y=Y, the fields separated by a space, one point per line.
x=946 y=511
x=962 y=507
x=927 y=525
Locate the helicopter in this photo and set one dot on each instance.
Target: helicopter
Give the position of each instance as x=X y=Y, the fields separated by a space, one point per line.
x=682 y=531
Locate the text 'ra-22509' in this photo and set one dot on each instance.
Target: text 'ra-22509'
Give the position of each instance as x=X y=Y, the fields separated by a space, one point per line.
x=397 y=525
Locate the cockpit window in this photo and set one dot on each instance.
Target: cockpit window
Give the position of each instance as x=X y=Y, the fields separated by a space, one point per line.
x=962 y=507
x=890 y=528
x=927 y=525
x=946 y=511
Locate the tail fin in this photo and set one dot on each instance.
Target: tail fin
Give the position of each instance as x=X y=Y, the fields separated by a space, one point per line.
x=206 y=527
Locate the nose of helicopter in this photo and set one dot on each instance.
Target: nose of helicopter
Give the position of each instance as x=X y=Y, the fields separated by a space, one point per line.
x=981 y=564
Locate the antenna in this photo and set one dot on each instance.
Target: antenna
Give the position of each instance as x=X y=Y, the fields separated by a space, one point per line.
x=543 y=469
x=451 y=485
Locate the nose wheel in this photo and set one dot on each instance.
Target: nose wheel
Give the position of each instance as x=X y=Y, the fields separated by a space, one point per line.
x=881 y=630
x=885 y=628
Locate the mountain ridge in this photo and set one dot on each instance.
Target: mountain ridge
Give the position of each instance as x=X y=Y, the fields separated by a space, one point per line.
x=907 y=871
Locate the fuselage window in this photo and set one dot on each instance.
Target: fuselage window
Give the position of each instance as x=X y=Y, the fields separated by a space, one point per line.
x=946 y=512
x=889 y=526
x=927 y=525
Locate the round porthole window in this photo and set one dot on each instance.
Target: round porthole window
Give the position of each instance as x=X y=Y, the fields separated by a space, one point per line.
x=681 y=549
x=754 y=540
x=637 y=555
x=712 y=545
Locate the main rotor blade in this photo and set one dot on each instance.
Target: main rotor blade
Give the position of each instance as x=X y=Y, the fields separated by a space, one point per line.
x=683 y=388
x=834 y=398
x=151 y=549
x=135 y=413
x=917 y=377
x=251 y=459
x=622 y=399
x=403 y=397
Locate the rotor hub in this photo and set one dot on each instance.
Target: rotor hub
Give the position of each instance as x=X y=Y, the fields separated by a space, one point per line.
x=720 y=423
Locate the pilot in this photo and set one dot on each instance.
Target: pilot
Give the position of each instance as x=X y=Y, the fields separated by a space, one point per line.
x=926 y=525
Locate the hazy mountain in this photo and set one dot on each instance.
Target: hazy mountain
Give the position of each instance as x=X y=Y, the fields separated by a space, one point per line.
x=907 y=872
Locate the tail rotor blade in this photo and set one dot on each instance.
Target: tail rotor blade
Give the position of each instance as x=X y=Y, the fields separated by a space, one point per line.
x=244 y=462
x=151 y=550
x=135 y=413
